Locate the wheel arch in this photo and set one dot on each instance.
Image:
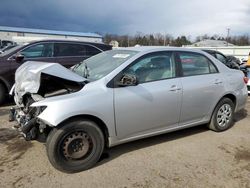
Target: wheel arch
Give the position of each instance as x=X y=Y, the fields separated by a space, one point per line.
x=231 y=96
x=213 y=126
x=228 y=95
x=95 y=119
x=6 y=84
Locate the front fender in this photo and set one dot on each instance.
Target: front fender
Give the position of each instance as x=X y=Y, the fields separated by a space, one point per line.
x=61 y=108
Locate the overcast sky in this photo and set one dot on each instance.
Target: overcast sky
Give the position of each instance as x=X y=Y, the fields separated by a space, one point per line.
x=175 y=17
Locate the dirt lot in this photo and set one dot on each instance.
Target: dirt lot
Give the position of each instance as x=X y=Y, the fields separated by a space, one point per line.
x=195 y=157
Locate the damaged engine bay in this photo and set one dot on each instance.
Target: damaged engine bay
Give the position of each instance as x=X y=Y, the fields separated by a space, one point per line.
x=46 y=80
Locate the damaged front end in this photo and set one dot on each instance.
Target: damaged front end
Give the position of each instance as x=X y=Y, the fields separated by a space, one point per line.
x=36 y=81
x=27 y=122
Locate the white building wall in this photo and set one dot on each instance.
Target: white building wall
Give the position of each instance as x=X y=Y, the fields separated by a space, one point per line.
x=7 y=35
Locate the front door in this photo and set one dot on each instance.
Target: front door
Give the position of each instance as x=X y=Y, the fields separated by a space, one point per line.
x=37 y=52
x=152 y=105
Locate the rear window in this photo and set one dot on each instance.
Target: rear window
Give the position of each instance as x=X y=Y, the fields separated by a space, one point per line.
x=221 y=58
x=90 y=50
x=68 y=49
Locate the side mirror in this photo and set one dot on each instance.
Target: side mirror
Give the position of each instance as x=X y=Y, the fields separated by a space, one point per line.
x=128 y=80
x=19 y=58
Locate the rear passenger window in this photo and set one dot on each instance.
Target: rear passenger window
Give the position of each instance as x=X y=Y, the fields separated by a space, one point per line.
x=221 y=58
x=68 y=49
x=195 y=64
x=212 y=68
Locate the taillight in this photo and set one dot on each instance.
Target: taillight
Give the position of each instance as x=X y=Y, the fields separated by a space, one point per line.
x=245 y=80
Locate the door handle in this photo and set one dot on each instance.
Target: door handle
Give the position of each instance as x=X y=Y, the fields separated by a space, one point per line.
x=217 y=81
x=174 y=88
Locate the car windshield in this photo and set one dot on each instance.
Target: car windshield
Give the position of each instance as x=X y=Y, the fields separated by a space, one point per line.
x=8 y=47
x=100 y=65
x=10 y=50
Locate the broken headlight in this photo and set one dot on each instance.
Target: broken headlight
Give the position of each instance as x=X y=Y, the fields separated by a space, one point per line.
x=37 y=110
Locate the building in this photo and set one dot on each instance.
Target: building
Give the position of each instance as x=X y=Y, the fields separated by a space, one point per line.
x=22 y=35
x=240 y=52
x=114 y=43
x=211 y=43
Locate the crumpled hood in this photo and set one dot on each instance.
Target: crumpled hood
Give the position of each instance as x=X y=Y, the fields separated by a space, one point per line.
x=28 y=76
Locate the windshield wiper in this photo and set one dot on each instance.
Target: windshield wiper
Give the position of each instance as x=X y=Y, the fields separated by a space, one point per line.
x=85 y=71
x=76 y=66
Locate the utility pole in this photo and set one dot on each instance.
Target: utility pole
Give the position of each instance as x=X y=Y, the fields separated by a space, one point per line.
x=165 y=38
x=228 y=32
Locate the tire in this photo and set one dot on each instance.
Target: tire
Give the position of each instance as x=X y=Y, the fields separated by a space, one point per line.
x=3 y=93
x=223 y=115
x=75 y=146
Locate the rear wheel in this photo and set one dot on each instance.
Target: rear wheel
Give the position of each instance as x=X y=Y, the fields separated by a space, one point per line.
x=222 y=118
x=76 y=146
x=3 y=93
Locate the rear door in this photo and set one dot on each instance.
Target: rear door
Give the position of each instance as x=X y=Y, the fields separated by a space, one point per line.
x=202 y=87
x=69 y=54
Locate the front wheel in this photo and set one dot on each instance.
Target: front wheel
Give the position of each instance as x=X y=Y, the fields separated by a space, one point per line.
x=76 y=146
x=222 y=118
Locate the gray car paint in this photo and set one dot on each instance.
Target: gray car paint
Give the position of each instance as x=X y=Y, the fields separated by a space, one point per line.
x=138 y=111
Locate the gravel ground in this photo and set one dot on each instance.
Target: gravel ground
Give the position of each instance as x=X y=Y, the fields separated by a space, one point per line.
x=194 y=157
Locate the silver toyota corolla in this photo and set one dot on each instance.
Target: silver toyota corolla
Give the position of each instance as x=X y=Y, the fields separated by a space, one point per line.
x=122 y=95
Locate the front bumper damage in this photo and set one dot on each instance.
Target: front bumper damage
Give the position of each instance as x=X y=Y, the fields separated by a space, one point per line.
x=36 y=81
x=29 y=126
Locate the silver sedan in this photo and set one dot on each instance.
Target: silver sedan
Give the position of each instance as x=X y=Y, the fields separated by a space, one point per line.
x=120 y=96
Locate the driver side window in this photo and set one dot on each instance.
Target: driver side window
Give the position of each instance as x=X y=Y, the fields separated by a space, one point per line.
x=153 y=67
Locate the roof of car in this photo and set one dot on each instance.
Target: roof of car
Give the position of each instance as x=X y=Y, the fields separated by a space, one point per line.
x=66 y=40
x=208 y=50
x=51 y=32
x=155 y=48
